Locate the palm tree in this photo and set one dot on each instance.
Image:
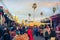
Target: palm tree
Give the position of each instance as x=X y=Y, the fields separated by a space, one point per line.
x=41 y=14
x=29 y=15
x=26 y=20
x=54 y=9
x=34 y=6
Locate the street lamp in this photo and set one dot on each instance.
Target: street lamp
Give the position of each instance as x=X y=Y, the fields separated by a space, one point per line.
x=34 y=7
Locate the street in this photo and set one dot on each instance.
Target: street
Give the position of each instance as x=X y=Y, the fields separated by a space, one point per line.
x=38 y=38
x=29 y=19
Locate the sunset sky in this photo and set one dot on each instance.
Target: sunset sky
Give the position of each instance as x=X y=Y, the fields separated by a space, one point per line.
x=22 y=8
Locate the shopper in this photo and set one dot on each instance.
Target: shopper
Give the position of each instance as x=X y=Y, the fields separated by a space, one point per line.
x=30 y=33
x=6 y=35
x=52 y=34
x=46 y=32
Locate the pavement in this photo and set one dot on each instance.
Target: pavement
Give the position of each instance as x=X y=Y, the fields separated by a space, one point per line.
x=38 y=38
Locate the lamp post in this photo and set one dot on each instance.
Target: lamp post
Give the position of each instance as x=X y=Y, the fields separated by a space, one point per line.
x=34 y=7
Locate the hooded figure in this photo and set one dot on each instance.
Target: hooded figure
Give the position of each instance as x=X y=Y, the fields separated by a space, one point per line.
x=30 y=33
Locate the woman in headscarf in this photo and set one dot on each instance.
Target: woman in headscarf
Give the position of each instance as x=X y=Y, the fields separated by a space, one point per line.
x=30 y=33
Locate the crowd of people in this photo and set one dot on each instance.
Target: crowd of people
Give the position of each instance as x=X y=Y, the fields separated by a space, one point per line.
x=16 y=32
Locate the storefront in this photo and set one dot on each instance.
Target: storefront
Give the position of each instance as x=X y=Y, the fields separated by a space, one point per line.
x=55 y=20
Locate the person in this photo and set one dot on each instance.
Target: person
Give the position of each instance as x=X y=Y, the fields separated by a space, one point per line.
x=1 y=38
x=46 y=35
x=41 y=31
x=6 y=35
x=1 y=30
x=23 y=29
x=52 y=34
x=36 y=31
x=12 y=32
x=1 y=34
x=17 y=31
x=46 y=32
x=30 y=33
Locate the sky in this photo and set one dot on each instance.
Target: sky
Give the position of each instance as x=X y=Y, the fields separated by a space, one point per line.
x=22 y=8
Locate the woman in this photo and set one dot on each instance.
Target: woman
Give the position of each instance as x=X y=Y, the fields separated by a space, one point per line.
x=30 y=33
